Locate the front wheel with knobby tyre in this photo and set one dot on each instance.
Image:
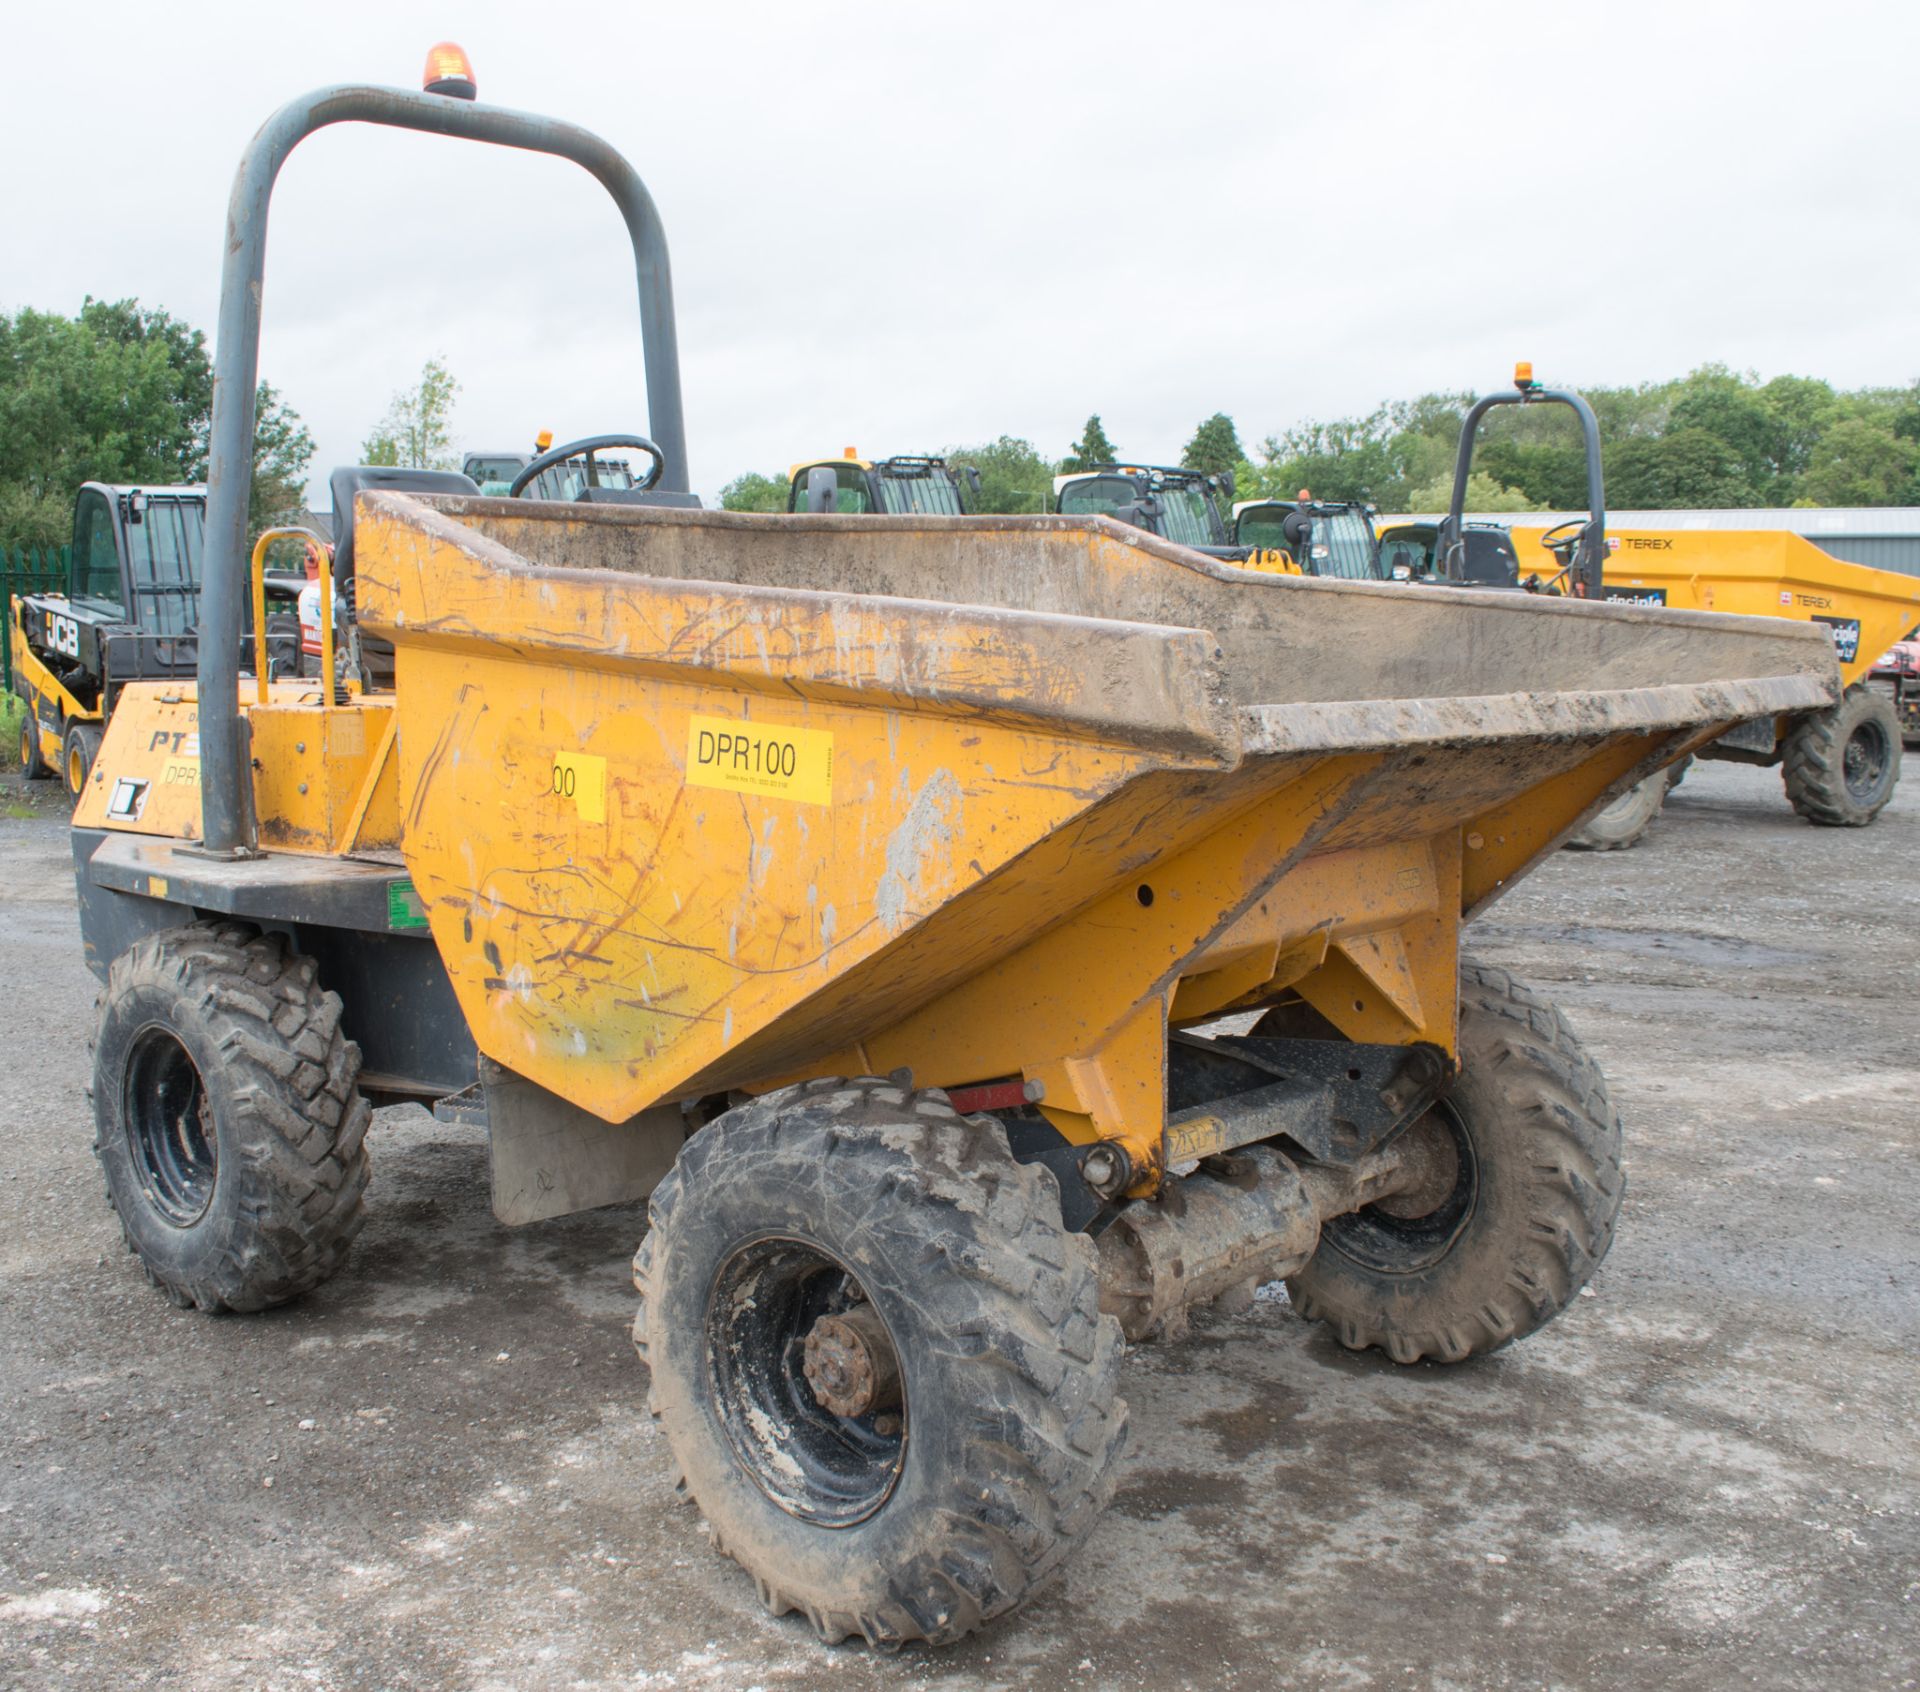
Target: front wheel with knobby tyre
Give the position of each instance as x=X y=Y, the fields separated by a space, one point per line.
x=1841 y=765
x=229 y=1121
x=1525 y=1184
x=878 y=1358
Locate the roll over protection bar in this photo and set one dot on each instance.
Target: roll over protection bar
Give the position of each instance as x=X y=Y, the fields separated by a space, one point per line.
x=226 y=816
x=1591 y=551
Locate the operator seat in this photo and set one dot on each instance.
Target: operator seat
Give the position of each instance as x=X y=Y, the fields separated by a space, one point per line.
x=376 y=655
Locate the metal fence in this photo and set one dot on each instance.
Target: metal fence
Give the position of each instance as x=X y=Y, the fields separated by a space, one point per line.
x=27 y=569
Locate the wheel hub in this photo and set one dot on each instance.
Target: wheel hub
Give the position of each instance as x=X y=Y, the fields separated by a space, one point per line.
x=806 y=1381
x=170 y=1125
x=850 y=1363
x=1429 y=1171
x=1864 y=761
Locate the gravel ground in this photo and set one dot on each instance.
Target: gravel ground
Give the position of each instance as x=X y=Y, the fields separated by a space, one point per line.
x=437 y=1472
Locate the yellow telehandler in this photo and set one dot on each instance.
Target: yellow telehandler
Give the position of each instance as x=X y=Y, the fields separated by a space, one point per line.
x=884 y=487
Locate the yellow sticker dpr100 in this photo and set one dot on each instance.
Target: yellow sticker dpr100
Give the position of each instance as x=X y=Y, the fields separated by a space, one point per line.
x=742 y=757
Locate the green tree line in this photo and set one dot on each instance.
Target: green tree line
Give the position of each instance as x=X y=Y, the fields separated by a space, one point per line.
x=1713 y=438
x=121 y=393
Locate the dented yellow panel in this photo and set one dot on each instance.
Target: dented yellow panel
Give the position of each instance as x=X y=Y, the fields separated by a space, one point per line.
x=617 y=922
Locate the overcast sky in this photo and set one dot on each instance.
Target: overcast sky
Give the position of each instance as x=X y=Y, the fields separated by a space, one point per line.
x=904 y=227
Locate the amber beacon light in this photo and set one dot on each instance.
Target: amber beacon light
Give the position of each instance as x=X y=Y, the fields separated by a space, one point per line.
x=449 y=71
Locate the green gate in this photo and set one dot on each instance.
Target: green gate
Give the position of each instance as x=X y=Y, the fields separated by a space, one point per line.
x=27 y=569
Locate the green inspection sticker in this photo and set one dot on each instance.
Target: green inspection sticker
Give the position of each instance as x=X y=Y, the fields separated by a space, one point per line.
x=404 y=909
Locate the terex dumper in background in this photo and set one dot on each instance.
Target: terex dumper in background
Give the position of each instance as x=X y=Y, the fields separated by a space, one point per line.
x=1839 y=763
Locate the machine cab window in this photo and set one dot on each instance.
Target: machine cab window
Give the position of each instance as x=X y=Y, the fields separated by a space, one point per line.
x=1347 y=537
x=96 y=581
x=1262 y=527
x=850 y=499
x=1407 y=552
x=493 y=473
x=164 y=542
x=1188 y=515
x=918 y=489
x=1099 y=496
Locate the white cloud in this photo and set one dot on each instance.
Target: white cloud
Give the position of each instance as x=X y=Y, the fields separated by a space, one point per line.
x=911 y=227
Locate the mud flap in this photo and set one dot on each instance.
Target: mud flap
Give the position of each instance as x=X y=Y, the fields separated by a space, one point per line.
x=551 y=1158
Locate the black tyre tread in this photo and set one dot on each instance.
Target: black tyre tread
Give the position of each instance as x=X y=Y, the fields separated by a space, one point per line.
x=1024 y=1299
x=87 y=737
x=1546 y=1080
x=301 y=1123
x=1812 y=762
x=33 y=767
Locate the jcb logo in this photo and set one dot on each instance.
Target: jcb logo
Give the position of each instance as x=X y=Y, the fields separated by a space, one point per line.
x=63 y=634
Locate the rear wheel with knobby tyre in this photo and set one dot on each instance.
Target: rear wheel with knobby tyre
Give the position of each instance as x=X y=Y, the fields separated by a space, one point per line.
x=1841 y=765
x=1525 y=1184
x=229 y=1121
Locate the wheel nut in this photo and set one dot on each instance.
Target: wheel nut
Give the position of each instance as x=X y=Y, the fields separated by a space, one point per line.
x=850 y=1364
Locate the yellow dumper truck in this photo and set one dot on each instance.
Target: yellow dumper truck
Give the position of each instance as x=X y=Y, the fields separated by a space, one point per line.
x=862 y=890
x=1840 y=763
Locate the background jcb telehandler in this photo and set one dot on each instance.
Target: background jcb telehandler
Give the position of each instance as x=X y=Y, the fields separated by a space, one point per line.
x=130 y=611
x=1175 y=504
x=851 y=486
x=1331 y=537
x=863 y=892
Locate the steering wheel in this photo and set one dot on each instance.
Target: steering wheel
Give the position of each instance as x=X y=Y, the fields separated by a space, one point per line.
x=587 y=448
x=1554 y=539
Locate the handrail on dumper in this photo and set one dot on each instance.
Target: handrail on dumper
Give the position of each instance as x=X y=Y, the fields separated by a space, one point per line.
x=226 y=822
x=257 y=575
x=1590 y=551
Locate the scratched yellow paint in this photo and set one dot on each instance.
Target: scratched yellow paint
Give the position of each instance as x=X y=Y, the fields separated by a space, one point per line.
x=964 y=871
x=323 y=780
x=635 y=956
x=615 y=960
